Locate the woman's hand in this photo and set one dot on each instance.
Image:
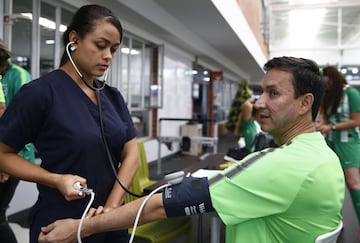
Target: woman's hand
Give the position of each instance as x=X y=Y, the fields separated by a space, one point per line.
x=324 y=129
x=110 y=208
x=61 y=231
x=4 y=177
x=65 y=184
x=100 y=210
x=95 y=211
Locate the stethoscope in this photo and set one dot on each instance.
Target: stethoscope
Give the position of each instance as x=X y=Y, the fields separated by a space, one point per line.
x=97 y=90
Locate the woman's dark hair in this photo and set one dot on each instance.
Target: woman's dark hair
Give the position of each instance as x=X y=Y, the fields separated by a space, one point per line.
x=84 y=21
x=334 y=89
x=306 y=77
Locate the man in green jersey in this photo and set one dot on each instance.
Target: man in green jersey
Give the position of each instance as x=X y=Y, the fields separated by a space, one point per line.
x=277 y=195
x=12 y=78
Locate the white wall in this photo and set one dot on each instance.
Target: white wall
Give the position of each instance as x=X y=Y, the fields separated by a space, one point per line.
x=25 y=196
x=177 y=100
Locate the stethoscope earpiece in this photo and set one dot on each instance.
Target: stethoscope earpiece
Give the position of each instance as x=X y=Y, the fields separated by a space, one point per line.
x=72 y=48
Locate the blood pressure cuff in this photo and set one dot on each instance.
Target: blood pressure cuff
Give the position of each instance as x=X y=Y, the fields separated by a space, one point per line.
x=189 y=197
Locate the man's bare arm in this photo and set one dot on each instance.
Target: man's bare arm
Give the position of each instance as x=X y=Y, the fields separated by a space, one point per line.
x=124 y=216
x=120 y=218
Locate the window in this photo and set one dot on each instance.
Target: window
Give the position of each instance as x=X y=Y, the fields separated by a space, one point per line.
x=136 y=74
x=47 y=38
x=21 y=30
x=124 y=67
x=132 y=72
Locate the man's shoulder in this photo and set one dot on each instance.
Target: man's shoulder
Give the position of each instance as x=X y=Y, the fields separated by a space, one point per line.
x=19 y=73
x=17 y=68
x=310 y=147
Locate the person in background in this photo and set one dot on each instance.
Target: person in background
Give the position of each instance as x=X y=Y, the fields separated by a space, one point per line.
x=340 y=110
x=13 y=77
x=277 y=195
x=246 y=124
x=252 y=137
x=69 y=115
x=248 y=129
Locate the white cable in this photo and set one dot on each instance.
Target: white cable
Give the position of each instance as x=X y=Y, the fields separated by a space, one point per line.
x=70 y=58
x=92 y=194
x=141 y=208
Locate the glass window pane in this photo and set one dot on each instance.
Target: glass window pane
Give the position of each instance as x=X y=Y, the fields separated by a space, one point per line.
x=47 y=38
x=141 y=121
x=22 y=30
x=136 y=74
x=124 y=60
x=66 y=17
x=147 y=74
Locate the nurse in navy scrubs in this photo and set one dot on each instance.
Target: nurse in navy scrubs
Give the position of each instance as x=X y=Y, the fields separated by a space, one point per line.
x=59 y=113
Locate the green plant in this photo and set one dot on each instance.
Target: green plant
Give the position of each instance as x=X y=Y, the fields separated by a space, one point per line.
x=244 y=93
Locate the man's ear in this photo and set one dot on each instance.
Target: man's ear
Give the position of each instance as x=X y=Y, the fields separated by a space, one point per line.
x=307 y=101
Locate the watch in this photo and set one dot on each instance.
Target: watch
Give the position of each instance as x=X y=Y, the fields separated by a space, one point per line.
x=333 y=127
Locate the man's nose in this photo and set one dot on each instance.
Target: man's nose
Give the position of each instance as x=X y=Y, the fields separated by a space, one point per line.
x=259 y=103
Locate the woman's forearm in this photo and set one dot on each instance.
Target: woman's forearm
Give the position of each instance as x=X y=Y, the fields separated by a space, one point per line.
x=126 y=173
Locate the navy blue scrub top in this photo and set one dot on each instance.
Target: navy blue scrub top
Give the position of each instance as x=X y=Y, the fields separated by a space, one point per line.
x=53 y=113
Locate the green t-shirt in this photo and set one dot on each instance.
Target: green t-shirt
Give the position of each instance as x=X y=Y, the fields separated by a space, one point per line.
x=249 y=131
x=2 y=96
x=11 y=82
x=293 y=193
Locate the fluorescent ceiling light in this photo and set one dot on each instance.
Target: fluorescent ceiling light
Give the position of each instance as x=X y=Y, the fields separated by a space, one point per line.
x=126 y=50
x=46 y=22
x=50 y=42
x=21 y=59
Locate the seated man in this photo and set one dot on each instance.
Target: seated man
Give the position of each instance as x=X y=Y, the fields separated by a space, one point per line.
x=277 y=195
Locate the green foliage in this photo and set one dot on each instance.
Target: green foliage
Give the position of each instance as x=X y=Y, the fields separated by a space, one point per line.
x=244 y=93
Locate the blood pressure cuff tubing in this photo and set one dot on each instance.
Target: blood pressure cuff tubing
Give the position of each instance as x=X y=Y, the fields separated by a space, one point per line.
x=189 y=197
